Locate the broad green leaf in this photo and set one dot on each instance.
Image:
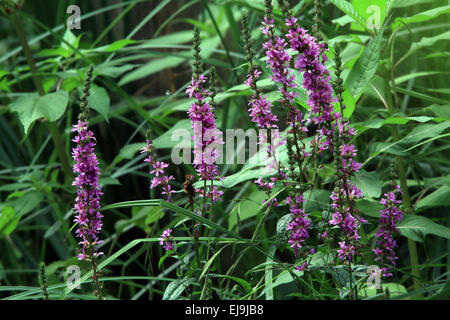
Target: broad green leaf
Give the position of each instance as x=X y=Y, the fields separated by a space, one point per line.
x=440 y=110
x=52 y=52
x=246 y=208
x=70 y=38
x=176 y=288
x=129 y=151
x=424 y=131
x=368 y=182
x=8 y=221
x=369 y=207
x=348 y=9
x=109 y=181
x=438 y=181
x=264 y=83
x=99 y=101
x=416 y=227
x=428 y=42
x=428 y=140
x=24 y=202
x=421 y=17
x=365 y=68
x=145 y=217
x=282 y=225
x=165 y=140
x=344 y=20
x=316 y=200
x=349 y=103
x=32 y=107
x=440 y=197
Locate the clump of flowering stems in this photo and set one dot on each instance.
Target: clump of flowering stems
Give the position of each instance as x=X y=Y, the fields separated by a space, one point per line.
x=87 y=206
x=333 y=134
x=160 y=178
x=260 y=110
x=390 y=215
x=279 y=61
x=206 y=135
x=345 y=213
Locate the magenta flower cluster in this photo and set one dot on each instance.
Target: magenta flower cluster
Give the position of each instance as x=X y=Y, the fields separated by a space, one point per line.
x=279 y=60
x=160 y=178
x=299 y=225
x=206 y=134
x=316 y=80
x=390 y=215
x=87 y=206
x=166 y=240
x=344 y=213
x=260 y=110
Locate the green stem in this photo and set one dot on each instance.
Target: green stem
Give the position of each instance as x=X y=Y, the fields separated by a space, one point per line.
x=51 y=126
x=408 y=208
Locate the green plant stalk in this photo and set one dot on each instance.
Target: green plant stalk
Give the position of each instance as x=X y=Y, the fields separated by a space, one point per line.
x=408 y=208
x=51 y=126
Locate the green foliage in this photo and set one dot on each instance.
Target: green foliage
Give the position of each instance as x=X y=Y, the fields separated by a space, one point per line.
x=32 y=107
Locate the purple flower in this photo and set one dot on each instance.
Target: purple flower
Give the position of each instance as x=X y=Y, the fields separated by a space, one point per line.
x=212 y=194
x=166 y=240
x=390 y=215
x=299 y=226
x=158 y=168
x=206 y=134
x=316 y=81
x=160 y=179
x=87 y=206
x=346 y=251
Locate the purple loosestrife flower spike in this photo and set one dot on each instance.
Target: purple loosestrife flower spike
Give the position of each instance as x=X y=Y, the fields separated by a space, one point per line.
x=390 y=216
x=316 y=81
x=299 y=226
x=160 y=178
x=203 y=123
x=166 y=240
x=331 y=131
x=279 y=61
x=87 y=206
x=260 y=108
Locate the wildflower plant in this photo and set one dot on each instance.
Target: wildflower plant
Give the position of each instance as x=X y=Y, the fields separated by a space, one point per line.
x=87 y=203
